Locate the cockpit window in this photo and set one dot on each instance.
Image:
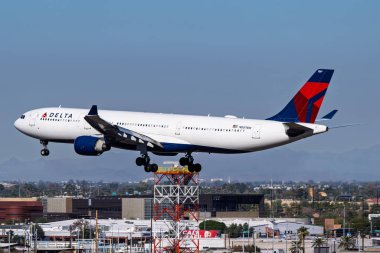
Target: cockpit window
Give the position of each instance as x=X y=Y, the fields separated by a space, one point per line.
x=22 y=116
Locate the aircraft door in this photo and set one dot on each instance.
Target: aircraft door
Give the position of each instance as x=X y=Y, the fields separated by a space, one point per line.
x=32 y=120
x=256 y=132
x=82 y=123
x=86 y=126
x=178 y=128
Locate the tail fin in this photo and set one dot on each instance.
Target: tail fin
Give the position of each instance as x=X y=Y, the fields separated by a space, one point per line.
x=305 y=104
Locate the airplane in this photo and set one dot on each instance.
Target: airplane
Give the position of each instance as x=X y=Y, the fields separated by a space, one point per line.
x=94 y=131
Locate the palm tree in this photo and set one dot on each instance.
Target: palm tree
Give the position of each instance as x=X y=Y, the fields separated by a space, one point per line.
x=346 y=242
x=302 y=233
x=296 y=246
x=318 y=243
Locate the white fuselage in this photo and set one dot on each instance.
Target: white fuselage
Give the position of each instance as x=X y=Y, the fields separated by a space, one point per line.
x=176 y=132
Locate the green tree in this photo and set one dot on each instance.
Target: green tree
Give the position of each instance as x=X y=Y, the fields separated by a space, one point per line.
x=246 y=229
x=296 y=246
x=18 y=239
x=346 y=242
x=361 y=224
x=212 y=225
x=318 y=243
x=247 y=248
x=83 y=228
x=10 y=235
x=40 y=231
x=302 y=233
x=234 y=231
x=375 y=208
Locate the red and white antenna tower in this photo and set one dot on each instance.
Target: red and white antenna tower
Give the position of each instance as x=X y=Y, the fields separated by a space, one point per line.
x=176 y=203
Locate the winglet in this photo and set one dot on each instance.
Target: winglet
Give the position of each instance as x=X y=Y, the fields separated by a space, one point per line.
x=93 y=110
x=330 y=115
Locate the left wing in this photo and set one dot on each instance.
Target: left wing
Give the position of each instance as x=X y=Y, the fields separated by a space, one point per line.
x=117 y=134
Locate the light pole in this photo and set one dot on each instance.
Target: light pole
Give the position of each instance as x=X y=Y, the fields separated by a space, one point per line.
x=9 y=239
x=286 y=242
x=78 y=233
x=344 y=219
x=254 y=239
x=130 y=234
x=243 y=241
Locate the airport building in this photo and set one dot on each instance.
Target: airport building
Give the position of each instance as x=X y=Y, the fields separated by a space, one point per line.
x=20 y=209
x=140 y=206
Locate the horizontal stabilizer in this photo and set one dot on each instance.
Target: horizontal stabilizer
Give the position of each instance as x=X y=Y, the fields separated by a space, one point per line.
x=328 y=116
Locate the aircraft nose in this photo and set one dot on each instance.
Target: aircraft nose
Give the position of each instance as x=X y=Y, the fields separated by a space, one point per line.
x=17 y=124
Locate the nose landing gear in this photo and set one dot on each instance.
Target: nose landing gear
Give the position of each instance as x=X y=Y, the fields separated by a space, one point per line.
x=189 y=161
x=45 y=151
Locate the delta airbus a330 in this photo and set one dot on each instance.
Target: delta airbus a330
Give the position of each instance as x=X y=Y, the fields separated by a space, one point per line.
x=93 y=132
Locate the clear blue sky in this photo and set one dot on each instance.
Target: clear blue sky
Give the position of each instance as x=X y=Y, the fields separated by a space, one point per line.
x=246 y=58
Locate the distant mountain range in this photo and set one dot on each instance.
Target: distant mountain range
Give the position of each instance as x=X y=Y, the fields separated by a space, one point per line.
x=277 y=164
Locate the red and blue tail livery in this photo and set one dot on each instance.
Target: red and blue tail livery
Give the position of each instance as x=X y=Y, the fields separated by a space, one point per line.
x=306 y=103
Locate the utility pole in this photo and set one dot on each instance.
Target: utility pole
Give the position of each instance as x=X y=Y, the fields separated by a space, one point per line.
x=151 y=224
x=344 y=220
x=130 y=234
x=9 y=239
x=243 y=242
x=286 y=241
x=35 y=238
x=254 y=239
x=96 y=233
x=271 y=199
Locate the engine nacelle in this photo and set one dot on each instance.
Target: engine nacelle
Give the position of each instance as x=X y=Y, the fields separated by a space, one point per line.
x=90 y=146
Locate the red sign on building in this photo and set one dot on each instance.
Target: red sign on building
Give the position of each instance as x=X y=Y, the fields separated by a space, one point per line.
x=201 y=233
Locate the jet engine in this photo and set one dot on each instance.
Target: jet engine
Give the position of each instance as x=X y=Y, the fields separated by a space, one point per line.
x=90 y=146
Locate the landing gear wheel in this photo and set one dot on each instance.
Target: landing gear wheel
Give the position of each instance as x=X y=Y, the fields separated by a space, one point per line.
x=45 y=152
x=153 y=167
x=144 y=160
x=147 y=168
x=183 y=161
x=197 y=167
x=191 y=168
x=187 y=160
x=140 y=161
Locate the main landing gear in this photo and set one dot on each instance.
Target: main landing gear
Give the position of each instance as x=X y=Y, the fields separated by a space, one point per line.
x=144 y=160
x=45 y=150
x=189 y=161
